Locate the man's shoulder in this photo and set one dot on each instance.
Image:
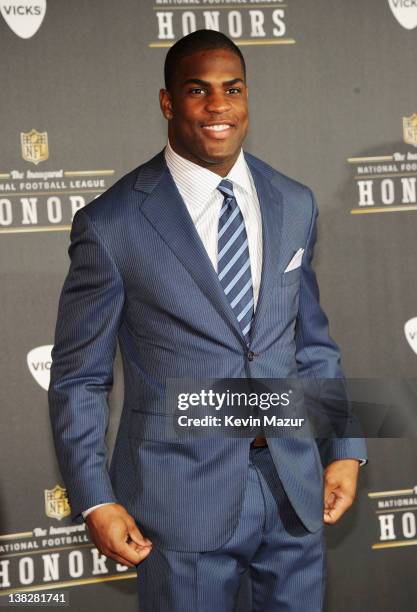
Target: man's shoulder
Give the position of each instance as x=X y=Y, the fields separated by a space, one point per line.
x=281 y=181
x=116 y=199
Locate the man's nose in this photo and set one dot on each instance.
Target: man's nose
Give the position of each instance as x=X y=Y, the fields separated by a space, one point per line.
x=217 y=102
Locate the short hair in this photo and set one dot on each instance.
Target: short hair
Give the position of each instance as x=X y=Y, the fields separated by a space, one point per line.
x=200 y=40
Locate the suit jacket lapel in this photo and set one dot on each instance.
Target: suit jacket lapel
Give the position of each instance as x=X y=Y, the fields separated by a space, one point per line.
x=270 y=202
x=165 y=209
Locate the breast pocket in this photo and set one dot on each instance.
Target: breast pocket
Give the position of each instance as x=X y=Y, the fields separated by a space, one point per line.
x=293 y=276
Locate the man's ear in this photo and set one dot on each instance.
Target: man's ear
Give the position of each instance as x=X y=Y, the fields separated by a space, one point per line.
x=165 y=102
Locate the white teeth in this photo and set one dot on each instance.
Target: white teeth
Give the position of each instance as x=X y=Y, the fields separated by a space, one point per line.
x=217 y=127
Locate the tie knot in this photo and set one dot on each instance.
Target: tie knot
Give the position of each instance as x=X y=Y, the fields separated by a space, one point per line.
x=226 y=188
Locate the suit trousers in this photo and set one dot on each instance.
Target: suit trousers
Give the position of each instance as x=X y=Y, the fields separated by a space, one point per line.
x=284 y=561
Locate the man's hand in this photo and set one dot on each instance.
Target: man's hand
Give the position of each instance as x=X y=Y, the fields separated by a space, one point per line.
x=115 y=533
x=340 y=479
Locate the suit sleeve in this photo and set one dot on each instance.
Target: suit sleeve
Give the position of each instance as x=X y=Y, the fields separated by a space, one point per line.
x=317 y=355
x=89 y=316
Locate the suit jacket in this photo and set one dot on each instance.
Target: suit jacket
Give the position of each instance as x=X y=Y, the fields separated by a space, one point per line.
x=140 y=274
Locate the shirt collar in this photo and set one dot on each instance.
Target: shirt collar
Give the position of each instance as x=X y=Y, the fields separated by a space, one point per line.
x=199 y=182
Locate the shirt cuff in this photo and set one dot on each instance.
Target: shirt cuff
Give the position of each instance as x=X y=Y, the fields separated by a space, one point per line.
x=86 y=512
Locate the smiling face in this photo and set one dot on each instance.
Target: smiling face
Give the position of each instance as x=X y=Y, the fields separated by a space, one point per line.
x=207 y=109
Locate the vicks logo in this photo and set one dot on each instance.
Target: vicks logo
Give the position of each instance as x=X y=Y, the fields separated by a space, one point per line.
x=410 y=330
x=39 y=363
x=24 y=17
x=405 y=12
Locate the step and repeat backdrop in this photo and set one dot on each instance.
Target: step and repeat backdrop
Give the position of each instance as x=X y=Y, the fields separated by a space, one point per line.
x=333 y=103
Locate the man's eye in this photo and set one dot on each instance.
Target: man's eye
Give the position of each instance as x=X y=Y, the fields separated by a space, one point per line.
x=196 y=90
x=234 y=90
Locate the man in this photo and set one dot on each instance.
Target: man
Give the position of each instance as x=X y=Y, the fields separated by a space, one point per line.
x=185 y=261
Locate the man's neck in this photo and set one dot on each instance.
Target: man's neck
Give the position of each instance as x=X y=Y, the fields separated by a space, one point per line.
x=221 y=168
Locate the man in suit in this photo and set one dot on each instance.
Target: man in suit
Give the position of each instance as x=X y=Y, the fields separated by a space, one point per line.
x=185 y=261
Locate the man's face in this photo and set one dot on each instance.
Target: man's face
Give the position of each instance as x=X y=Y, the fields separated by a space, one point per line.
x=207 y=109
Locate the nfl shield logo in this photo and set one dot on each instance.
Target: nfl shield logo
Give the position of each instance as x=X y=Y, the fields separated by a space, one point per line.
x=410 y=130
x=34 y=146
x=56 y=503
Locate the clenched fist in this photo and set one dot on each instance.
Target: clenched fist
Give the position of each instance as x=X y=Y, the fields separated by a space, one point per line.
x=115 y=533
x=340 y=481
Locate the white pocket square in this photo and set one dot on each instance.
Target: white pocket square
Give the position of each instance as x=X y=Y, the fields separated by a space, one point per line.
x=295 y=261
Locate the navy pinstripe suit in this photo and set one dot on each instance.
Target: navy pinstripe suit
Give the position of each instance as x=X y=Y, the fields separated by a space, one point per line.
x=139 y=273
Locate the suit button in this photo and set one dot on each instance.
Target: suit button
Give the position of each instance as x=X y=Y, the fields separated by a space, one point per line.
x=251 y=356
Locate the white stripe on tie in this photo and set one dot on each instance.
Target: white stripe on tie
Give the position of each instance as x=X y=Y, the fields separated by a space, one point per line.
x=245 y=310
x=230 y=242
x=242 y=293
x=229 y=221
x=236 y=278
x=233 y=260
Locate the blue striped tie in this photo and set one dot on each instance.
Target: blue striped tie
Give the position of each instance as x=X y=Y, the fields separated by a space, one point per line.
x=233 y=258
